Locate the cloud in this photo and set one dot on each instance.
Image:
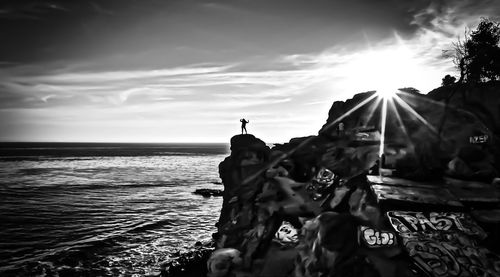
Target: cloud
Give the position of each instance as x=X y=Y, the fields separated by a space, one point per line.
x=33 y=10
x=196 y=83
x=284 y=83
x=182 y=98
x=414 y=60
x=446 y=17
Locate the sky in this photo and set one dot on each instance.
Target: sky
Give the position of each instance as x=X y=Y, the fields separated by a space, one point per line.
x=189 y=70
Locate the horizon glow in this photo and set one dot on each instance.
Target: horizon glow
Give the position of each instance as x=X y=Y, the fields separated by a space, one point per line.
x=187 y=72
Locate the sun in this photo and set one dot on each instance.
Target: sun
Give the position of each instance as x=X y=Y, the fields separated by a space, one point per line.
x=387 y=94
x=384 y=69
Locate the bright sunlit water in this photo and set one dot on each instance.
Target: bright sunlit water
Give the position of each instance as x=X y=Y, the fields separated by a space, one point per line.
x=103 y=210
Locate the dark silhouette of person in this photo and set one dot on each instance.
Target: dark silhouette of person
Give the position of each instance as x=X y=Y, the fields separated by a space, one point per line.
x=340 y=129
x=244 y=125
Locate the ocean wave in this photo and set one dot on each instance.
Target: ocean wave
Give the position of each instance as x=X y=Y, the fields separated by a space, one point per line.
x=150 y=226
x=16 y=189
x=102 y=216
x=102 y=239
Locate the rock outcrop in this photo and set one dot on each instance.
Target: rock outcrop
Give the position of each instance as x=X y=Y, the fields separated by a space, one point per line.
x=319 y=206
x=294 y=185
x=425 y=132
x=209 y=192
x=239 y=174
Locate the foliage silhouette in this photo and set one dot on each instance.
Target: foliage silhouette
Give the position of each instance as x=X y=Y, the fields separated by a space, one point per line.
x=448 y=80
x=477 y=55
x=410 y=90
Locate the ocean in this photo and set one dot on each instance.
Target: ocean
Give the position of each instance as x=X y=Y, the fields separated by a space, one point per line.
x=98 y=209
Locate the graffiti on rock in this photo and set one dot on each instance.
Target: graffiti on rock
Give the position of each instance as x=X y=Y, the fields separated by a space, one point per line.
x=410 y=222
x=325 y=177
x=286 y=234
x=478 y=139
x=376 y=238
x=450 y=255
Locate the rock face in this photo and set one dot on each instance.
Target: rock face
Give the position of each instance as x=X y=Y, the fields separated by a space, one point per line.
x=293 y=185
x=319 y=206
x=425 y=132
x=241 y=184
x=209 y=192
x=482 y=102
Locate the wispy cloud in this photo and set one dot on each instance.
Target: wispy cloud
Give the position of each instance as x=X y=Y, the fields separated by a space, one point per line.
x=177 y=97
x=195 y=83
x=283 y=95
x=30 y=9
x=398 y=61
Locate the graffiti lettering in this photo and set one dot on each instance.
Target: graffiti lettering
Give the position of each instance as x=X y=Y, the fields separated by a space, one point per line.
x=444 y=256
x=325 y=176
x=409 y=222
x=373 y=238
x=478 y=139
x=442 y=244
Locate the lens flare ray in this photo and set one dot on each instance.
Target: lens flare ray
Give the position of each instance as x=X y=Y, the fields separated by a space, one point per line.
x=372 y=110
x=382 y=127
x=285 y=155
x=414 y=113
x=400 y=121
x=443 y=105
x=355 y=108
x=387 y=98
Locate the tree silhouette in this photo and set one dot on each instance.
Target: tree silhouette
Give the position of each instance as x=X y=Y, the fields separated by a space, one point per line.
x=477 y=56
x=484 y=52
x=411 y=90
x=448 y=80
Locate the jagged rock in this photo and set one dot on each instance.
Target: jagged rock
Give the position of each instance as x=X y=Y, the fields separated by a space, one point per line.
x=454 y=116
x=240 y=144
x=242 y=179
x=191 y=263
x=209 y=192
x=303 y=155
x=339 y=108
x=318 y=184
x=481 y=99
x=472 y=163
x=222 y=261
x=329 y=248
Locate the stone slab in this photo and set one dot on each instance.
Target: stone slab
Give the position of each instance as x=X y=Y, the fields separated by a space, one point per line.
x=487 y=216
x=394 y=181
x=422 y=196
x=472 y=191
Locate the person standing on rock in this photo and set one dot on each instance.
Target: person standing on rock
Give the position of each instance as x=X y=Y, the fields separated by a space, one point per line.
x=340 y=129
x=244 y=125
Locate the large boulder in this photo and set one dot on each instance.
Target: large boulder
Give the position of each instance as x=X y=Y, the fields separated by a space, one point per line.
x=480 y=103
x=425 y=132
x=242 y=181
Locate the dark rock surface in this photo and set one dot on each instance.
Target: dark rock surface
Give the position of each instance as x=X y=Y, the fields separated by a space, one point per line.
x=239 y=175
x=209 y=192
x=453 y=116
x=319 y=205
x=481 y=101
x=192 y=263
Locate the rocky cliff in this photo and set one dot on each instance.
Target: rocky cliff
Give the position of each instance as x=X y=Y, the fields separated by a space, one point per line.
x=318 y=206
x=425 y=132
